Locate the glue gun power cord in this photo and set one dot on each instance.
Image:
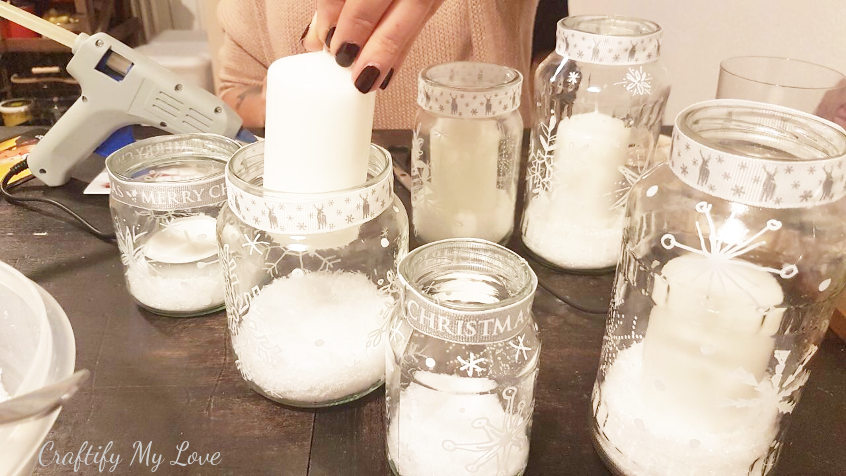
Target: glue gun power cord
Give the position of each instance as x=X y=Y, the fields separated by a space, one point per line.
x=6 y=190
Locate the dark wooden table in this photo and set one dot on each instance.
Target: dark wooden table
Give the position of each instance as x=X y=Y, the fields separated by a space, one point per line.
x=164 y=381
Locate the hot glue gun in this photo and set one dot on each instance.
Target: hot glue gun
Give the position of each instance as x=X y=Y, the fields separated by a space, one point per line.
x=120 y=87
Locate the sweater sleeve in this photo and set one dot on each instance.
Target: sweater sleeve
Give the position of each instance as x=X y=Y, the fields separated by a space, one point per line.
x=243 y=56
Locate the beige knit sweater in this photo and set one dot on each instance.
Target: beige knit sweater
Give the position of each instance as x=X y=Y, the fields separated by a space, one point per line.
x=493 y=31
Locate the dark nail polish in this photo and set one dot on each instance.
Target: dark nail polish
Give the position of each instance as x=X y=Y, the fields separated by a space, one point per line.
x=387 y=79
x=368 y=76
x=305 y=32
x=347 y=53
x=329 y=36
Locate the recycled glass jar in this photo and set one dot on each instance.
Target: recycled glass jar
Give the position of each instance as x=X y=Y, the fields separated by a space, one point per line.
x=732 y=257
x=463 y=360
x=310 y=281
x=165 y=194
x=600 y=98
x=465 y=152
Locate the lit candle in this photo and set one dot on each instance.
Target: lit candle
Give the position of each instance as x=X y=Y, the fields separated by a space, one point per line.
x=318 y=126
x=575 y=224
x=461 y=199
x=456 y=426
x=176 y=269
x=314 y=337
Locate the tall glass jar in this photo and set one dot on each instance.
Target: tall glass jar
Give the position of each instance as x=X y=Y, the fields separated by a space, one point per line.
x=465 y=154
x=733 y=254
x=463 y=360
x=165 y=195
x=310 y=281
x=600 y=98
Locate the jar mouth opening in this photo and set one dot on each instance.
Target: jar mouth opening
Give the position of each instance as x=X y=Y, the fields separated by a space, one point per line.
x=246 y=171
x=760 y=130
x=468 y=275
x=606 y=25
x=791 y=73
x=173 y=159
x=483 y=77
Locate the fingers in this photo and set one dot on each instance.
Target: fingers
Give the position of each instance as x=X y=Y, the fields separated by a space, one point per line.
x=322 y=27
x=389 y=43
x=358 y=20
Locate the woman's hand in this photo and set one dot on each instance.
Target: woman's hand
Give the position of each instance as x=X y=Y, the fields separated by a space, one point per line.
x=372 y=36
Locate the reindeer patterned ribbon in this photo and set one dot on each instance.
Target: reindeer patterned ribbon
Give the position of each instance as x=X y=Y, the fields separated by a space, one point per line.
x=291 y=213
x=469 y=90
x=756 y=181
x=596 y=48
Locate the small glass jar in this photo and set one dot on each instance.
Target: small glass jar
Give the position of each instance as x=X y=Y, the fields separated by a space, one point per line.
x=465 y=152
x=165 y=194
x=463 y=361
x=732 y=257
x=310 y=281
x=600 y=99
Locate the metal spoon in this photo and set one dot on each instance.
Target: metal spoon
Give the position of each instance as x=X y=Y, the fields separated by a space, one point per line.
x=42 y=401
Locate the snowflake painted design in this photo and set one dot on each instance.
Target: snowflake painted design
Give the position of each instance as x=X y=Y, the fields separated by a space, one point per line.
x=502 y=438
x=253 y=243
x=420 y=173
x=324 y=263
x=573 y=77
x=777 y=386
x=630 y=177
x=637 y=82
x=389 y=286
x=230 y=286
x=719 y=251
x=520 y=348
x=542 y=158
x=472 y=364
x=130 y=253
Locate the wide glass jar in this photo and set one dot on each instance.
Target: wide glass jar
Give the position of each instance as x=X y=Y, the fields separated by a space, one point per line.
x=310 y=281
x=462 y=362
x=734 y=252
x=165 y=194
x=465 y=152
x=600 y=98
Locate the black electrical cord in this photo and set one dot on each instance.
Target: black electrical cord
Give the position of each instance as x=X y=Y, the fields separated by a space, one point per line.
x=6 y=189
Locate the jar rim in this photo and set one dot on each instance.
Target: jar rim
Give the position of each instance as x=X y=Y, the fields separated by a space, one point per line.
x=730 y=66
x=528 y=288
x=804 y=125
x=224 y=149
x=256 y=150
x=511 y=77
x=577 y=22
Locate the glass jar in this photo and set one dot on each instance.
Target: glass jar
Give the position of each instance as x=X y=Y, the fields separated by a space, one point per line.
x=463 y=361
x=165 y=194
x=732 y=257
x=600 y=99
x=465 y=152
x=310 y=281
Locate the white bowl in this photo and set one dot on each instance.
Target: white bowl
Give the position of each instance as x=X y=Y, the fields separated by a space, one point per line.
x=37 y=348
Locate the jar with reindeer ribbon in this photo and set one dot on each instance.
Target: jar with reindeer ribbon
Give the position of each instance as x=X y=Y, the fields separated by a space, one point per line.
x=465 y=153
x=165 y=195
x=462 y=362
x=600 y=99
x=310 y=281
x=732 y=258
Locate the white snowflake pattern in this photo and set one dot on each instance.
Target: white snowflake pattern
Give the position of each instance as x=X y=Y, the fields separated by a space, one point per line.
x=541 y=159
x=502 y=438
x=782 y=388
x=324 y=263
x=420 y=173
x=472 y=364
x=637 y=82
x=520 y=348
x=389 y=286
x=127 y=240
x=631 y=175
x=253 y=243
x=721 y=252
x=573 y=77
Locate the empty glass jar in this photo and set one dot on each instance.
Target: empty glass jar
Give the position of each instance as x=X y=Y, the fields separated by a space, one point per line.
x=462 y=363
x=732 y=257
x=165 y=195
x=310 y=281
x=465 y=152
x=600 y=99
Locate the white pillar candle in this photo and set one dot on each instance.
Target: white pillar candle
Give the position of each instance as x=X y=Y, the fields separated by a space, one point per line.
x=176 y=269
x=318 y=126
x=458 y=429
x=314 y=337
x=462 y=200
x=575 y=223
